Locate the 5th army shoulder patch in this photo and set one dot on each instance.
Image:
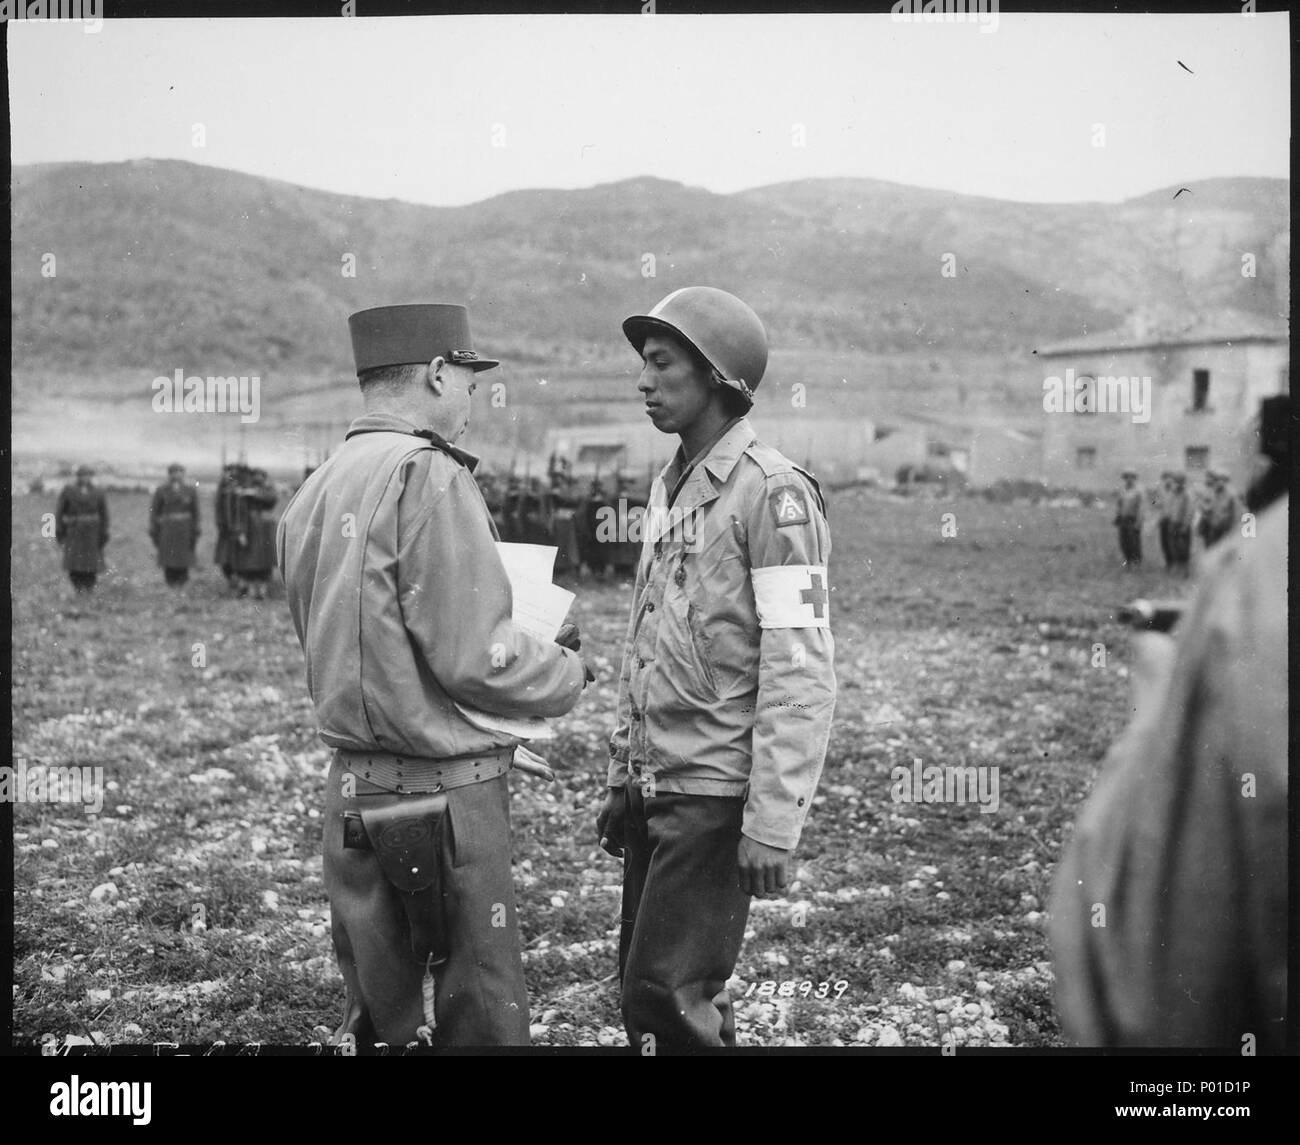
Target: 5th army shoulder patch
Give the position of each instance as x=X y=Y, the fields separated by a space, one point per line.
x=789 y=506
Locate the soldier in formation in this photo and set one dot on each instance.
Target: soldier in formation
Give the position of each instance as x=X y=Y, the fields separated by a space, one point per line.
x=1164 y=498
x=174 y=525
x=246 y=529
x=224 y=513
x=81 y=528
x=1179 y=511
x=1128 y=519
x=1221 y=510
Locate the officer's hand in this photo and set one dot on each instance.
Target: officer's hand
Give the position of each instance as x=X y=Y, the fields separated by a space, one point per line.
x=609 y=823
x=568 y=637
x=762 y=868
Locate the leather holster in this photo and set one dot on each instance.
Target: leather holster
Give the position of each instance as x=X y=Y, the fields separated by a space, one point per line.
x=406 y=837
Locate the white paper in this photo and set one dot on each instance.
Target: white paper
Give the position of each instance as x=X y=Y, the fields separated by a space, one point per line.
x=528 y=562
x=521 y=727
x=539 y=609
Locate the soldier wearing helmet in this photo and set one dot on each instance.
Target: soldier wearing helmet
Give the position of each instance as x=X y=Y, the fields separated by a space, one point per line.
x=727 y=685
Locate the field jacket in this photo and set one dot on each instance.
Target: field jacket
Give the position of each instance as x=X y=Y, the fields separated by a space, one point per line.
x=727 y=684
x=402 y=605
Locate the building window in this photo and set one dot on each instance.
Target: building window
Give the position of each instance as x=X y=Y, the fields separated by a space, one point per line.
x=1200 y=390
x=1197 y=457
x=1085 y=457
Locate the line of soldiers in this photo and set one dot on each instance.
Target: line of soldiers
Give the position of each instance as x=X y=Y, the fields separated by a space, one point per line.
x=245 y=528
x=560 y=512
x=1209 y=514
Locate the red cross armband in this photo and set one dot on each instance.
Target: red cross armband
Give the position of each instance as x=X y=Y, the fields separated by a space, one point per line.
x=792 y=596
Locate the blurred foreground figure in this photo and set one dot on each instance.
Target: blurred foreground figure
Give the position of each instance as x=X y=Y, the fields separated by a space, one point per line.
x=1169 y=911
x=81 y=527
x=174 y=525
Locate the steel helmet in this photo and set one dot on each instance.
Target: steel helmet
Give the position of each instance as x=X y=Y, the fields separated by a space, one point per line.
x=718 y=325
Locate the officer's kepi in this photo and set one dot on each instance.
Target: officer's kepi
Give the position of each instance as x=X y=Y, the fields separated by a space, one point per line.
x=407 y=335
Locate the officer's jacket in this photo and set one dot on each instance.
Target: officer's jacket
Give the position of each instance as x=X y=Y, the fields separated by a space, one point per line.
x=402 y=605
x=727 y=684
x=81 y=527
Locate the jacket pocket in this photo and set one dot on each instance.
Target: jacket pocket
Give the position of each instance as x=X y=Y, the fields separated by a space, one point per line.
x=699 y=648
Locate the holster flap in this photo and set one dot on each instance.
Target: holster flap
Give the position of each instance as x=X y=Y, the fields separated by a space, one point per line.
x=407 y=839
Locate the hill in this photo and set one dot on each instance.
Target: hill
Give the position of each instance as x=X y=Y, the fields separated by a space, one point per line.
x=169 y=264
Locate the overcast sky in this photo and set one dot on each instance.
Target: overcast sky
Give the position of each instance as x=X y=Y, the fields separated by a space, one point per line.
x=451 y=110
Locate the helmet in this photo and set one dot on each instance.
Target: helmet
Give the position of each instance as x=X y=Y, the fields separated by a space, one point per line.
x=718 y=325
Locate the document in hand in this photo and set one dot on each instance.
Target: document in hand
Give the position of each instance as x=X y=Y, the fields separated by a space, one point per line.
x=539 y=609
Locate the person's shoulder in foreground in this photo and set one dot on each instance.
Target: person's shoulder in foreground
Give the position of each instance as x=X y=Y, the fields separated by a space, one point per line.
x=1169 y=912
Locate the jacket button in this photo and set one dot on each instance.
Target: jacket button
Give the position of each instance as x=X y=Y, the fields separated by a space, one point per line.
x=636 y=715
x=650 y=607
x=639 y=662
x=800 y=803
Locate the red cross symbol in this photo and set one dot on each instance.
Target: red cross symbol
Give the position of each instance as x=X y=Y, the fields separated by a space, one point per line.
x=816 y=595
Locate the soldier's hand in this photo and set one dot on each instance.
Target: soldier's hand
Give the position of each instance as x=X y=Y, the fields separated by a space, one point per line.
x=568 y=637
x=609 y=823
x=762 y=868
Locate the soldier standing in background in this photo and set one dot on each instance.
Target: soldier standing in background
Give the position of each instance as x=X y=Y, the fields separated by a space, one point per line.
x=224 y=512
x=1223 y=512
x=1128 y=517
x=254 y=555
x=1203 y=504
x=1179 y=507
x=1166 y=498
x=174 y=525
x=81 y=527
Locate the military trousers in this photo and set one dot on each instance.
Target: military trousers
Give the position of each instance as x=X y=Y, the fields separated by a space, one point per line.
x=1166 y=546
x=1130 y=541
x=683 y=922
x=1180 y=545
x=480 y=993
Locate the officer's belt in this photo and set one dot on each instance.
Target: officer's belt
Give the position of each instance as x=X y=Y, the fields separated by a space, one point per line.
x=403 y=773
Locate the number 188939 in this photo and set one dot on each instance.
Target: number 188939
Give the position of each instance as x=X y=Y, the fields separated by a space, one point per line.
x=792 y=988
